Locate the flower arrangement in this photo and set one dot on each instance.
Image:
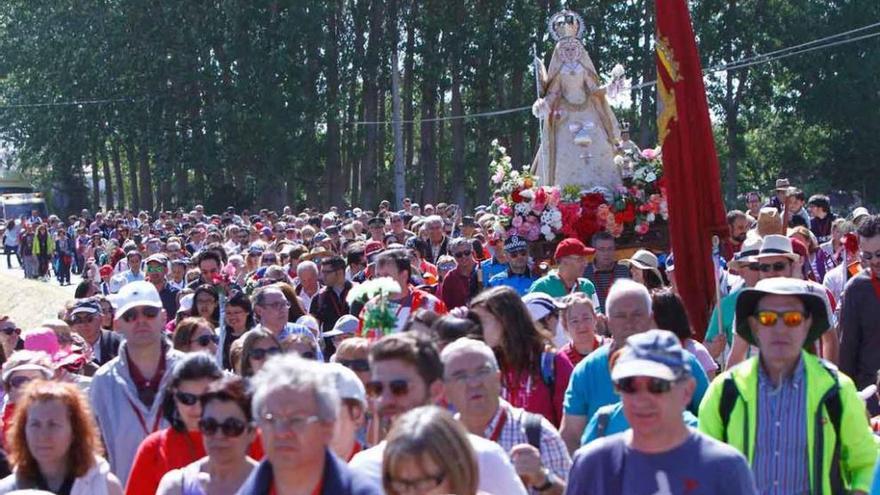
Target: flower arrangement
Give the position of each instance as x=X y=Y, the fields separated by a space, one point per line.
x=378 y=319
x=550 y=213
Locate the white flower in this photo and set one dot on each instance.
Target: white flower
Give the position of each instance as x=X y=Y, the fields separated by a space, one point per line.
x=617 y=72
x=522 y=208
x=502 y=149
x=618 y=160
x=383 y=286
x=495 y=142
x=650 y=177
x=650 y=217
x=527 y=194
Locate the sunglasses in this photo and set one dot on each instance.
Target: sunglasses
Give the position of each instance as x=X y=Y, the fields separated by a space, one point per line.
x=260 y=354
x=231 y=427
x=269 y=259
x=790 y=318
x=355 y=364
x=205 y=340
x=774 y=267
x=83 y=319
x=11 y=330
x=186 y=398
x=19 y=381
x=155 y=269
x=462 y=254
x=869 y=256
x=132 y=314
x=397 y=388
x=656 y=386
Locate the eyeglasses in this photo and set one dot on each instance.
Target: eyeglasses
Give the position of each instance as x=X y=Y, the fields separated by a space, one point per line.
x=11 y=330
x=81 y=320
x=420 y=485
x=231 y=427
x=463 y=377
x=260 y=354
x=656 y=386
x=397 y=388
x=19 y=381
x=328 y=272
x=294 y=423
x=155 y=269
x=269 y=259
x=774 y=267
x=790 y=318
x=186 y=398
x=132 y=314
x=462 y=254
x=276 y=305
x=355 y=364
x=205 y=340
x=869 y=256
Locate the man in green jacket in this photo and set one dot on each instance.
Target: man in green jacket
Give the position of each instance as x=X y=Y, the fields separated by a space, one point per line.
x=798 y=420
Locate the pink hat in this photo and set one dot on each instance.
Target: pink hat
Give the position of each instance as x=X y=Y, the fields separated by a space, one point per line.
x=41 y=339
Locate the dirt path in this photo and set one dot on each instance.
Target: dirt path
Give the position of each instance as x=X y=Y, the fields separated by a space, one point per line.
x=29 y=302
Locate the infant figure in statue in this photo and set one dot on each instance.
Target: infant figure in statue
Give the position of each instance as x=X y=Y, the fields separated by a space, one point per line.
x=579 y=132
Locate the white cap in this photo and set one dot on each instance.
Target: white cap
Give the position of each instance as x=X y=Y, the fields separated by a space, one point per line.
x=347 y=383
x=186 y=303
x=136 y=294
x=540 y=304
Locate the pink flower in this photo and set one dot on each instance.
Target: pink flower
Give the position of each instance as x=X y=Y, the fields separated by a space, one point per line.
x=642 y=229
x=555 y=197
x=506 y=210
x=499 y=201
x=517 y=221
x=649 y=153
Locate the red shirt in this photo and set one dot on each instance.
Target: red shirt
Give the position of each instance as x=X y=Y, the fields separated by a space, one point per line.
x=576 y=357
x=529 y=392
x=457 y=289
x=169 y=449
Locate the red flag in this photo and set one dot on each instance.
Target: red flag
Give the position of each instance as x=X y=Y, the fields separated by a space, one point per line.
x=690 y=164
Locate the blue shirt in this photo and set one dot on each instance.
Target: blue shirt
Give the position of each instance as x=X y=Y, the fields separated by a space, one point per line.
x=590 y=386
x=780 y=463
x=616 y=422
x=519 y=283
x=491 y=267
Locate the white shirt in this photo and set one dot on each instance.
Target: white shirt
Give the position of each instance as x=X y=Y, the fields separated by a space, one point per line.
x=497 y=475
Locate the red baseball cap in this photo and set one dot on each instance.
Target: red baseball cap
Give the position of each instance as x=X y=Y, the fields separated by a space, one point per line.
x=572 y=247
x=105 y=270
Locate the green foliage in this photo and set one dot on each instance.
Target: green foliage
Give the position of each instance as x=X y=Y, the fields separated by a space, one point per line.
x=253 y=103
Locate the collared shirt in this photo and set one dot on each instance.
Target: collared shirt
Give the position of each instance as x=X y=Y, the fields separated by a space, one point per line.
x=554 y=454
x=780 y=462
x=520 y=282
x=603 y=280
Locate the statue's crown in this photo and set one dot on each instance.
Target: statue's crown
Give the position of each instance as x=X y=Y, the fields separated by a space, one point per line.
x=566 y=24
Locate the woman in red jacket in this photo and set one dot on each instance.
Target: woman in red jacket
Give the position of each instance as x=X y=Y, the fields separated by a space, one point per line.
x=181 y=444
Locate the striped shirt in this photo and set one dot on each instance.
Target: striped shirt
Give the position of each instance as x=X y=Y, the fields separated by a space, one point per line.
x=604 y=280
x=781 y=458
x=554 y=454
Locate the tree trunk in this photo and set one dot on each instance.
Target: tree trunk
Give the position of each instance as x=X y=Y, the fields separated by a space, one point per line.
x=647 y=111
x=117 y=170
x=108 y=177
x=96 y=186
x=399 y=170
x=408 y=78
x=333 y=177
x=426 y=148
x=517 y=155
x=145 y=178
x=371 y=106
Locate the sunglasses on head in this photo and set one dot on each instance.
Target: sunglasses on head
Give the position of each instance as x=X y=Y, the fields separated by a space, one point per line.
x=260 y=354
x=231 y=427
x=790 y=318
x=462 y=254
x=774 y=267
x=355 y=364
x=132 y=314
x=11 y=330
x=206 y=340
x=186 y=398
x=655 y=386
x=396 y=387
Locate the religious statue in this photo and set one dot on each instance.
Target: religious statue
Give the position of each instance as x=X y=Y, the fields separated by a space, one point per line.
x=579 y=132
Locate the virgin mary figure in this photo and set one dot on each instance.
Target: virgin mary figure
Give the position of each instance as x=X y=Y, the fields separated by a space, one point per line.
x=579 y=133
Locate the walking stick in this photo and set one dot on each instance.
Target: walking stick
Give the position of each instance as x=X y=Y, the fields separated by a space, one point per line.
x=716 y=243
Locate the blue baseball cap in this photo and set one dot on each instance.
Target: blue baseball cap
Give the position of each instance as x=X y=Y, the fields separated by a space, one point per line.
x=655 y=353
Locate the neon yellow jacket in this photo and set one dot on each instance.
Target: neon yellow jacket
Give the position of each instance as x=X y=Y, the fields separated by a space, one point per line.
x=853 y=467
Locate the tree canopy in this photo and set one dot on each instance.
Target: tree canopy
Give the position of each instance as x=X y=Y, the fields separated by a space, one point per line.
x=259 y=102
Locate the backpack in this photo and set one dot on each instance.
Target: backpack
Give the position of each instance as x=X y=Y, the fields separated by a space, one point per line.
x=730 y=394
x=533 y=429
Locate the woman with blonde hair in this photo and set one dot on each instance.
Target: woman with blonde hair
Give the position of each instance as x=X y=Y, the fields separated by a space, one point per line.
x=428 y=452
x=579 y=321
x=54 y=444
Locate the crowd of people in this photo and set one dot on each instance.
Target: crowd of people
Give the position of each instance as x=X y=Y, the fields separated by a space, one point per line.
x=224 y=353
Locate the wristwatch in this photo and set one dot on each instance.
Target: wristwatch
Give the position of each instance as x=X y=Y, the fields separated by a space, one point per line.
x=548 y=481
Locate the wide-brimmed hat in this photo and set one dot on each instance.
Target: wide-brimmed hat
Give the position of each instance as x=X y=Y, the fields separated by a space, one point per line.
x=777 y=245
x=859 y=213
x=813 y=295
x=769 y=221
x=645 y=260
x=751 y=247
x=782 y=184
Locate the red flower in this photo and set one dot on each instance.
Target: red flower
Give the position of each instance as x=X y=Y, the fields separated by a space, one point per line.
x=592 y=201
x=516 y=196
x=629 y=213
